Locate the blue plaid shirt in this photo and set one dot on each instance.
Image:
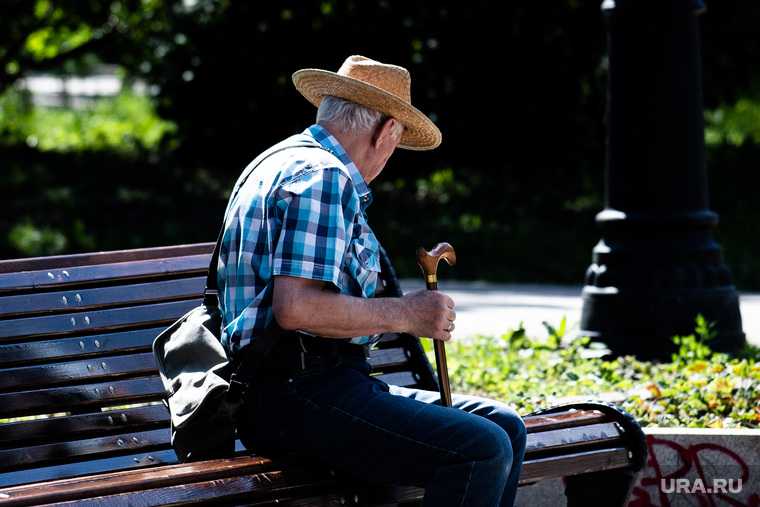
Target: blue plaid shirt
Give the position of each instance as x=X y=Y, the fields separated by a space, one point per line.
x=300 y=213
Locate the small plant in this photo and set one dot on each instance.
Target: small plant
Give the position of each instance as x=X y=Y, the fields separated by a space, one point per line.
x=695 y=347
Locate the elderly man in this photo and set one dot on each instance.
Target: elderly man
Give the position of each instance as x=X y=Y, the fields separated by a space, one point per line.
x=299 y=257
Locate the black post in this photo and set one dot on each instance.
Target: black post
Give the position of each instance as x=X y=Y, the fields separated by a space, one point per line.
x=657 y=265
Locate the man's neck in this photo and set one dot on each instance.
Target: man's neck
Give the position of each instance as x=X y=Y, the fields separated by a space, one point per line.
x=355 y=146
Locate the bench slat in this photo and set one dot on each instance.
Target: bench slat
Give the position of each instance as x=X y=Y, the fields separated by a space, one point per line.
x=387 y=360
x=87 y=370
x=573 y=464
x=82 y=275
x=91 y=447
x=90 y=258
x=85 y=468
x=59 y=349
x=385 y=338
x=75 y=426
x=91 y=395
x=570 y=418
x=401 y=379
x=545 y=442
x=101 y=297
x=118 y=482
x=290 y=487
x=96 y=321
x=418 y=361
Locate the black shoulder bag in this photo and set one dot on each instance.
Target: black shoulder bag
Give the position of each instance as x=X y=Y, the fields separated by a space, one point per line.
x=204 y=388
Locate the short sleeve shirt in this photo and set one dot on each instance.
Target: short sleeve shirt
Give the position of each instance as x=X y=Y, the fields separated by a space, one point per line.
x=300 y=213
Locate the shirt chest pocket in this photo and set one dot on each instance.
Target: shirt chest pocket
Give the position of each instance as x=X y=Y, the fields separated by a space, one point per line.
x=363 y=261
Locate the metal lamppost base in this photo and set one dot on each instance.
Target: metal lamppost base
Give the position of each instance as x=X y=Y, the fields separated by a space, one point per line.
x=642 y=323
x=651 y=275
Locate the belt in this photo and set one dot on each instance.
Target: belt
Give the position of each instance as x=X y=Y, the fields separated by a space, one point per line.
x=297 y=353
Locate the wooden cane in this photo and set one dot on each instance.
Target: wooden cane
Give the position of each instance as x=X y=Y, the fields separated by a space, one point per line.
x=428 y=262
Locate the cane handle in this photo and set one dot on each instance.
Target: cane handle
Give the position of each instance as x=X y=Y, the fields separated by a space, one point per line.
x=428 y=262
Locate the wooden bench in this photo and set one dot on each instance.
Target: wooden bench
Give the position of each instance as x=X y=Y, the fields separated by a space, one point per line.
x=82 y=419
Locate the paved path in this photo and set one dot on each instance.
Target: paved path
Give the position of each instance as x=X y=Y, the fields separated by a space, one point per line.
x=489 y=308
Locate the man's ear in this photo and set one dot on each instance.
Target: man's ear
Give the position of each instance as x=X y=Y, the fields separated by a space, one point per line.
x=383 y=132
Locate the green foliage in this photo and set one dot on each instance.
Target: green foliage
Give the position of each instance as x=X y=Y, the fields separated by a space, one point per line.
x=699 y=388
x=514 y=186
x=35 y=241
x=441 y=187
x=695 y=347
x=48 y=42
x=734 y=124
x=126 y=123
x=51 y=36
x=554 y=340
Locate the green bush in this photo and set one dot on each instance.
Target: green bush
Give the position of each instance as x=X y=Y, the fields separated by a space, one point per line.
x=126 y=124
x=697 y=388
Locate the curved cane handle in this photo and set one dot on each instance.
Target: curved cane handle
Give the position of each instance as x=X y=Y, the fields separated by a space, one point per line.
x=428 y=261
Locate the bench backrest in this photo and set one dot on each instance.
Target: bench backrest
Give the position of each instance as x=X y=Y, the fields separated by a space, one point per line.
x=79 y=390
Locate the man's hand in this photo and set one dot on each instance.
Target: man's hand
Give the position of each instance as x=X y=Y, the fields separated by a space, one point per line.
x=430 y=314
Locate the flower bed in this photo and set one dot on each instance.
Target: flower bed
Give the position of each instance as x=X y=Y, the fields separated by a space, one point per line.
x=698 y=388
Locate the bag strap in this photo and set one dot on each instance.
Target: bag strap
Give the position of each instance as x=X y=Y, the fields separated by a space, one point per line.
x=260 y=347
x=212 y=288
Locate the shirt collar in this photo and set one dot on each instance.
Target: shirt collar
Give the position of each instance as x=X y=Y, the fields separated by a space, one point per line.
x=331 y=144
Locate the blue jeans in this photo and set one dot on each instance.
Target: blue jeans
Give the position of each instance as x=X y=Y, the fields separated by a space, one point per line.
x=468 y=455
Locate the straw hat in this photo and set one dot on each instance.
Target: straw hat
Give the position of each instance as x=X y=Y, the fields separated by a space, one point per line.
x=378 y=86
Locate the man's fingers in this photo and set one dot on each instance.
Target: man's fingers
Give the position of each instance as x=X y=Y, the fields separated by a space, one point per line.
x=434 y=313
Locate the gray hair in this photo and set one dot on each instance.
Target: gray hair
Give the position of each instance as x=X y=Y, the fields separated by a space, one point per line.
x=351 y=117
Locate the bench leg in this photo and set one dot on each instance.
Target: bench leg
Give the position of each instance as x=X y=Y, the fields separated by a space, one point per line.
x=610 y=488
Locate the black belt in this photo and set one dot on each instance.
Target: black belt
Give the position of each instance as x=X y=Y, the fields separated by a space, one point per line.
x=298 y=353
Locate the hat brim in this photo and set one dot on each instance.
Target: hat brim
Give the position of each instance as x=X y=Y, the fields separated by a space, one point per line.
x=420 y=132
